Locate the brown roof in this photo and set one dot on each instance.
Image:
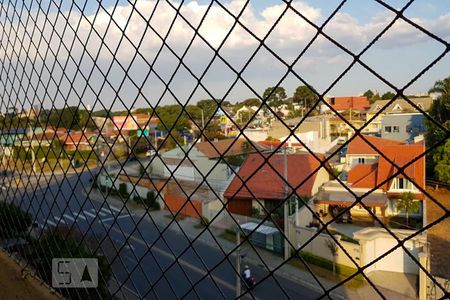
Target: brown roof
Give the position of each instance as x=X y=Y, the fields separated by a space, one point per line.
x=228 y=147
x=266 y=183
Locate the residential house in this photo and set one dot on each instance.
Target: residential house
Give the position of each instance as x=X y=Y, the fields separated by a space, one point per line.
x=402 y=127
x=79 y=140
x=373 y=173
x=192 y=166
x=143 y=123
x=347 y=103
x=314 y=132
x=263 y=182
x=398 y=106
x=361 y=152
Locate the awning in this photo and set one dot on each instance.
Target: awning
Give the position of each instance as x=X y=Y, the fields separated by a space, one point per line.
x=345 y=198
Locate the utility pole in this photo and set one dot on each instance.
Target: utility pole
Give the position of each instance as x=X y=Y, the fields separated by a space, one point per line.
x=203 y=126
x=33 y=156
x=286 y=208
x=238 y=262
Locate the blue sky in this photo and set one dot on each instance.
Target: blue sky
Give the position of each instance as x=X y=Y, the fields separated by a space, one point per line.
x=398 y=56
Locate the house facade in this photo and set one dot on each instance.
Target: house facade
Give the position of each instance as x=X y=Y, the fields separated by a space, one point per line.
x=260 y=184
x=381 y=108
x=377 y=178
x=402 y=127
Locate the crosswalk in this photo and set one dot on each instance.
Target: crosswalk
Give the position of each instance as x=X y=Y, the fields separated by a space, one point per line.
x=88 y=215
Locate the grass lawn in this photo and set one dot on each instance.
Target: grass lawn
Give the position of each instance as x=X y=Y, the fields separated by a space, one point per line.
x=323 y=268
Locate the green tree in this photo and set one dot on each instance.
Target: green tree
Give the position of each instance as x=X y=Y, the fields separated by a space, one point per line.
x=275 y=96
x=438 y=158
x=441 y=87
x=15 y=221
x=209 y=107
x=387 y=96
x=371 y=96
x=304 y=95
x=333 y=248
x=408 y=204
x=251 y=102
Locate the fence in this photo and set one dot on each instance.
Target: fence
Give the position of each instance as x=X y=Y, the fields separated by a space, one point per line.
x=94 y=94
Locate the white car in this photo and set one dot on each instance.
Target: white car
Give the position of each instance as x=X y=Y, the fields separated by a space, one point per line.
x=150 y=152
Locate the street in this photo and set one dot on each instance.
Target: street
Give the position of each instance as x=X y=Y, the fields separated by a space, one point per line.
x=148 y=261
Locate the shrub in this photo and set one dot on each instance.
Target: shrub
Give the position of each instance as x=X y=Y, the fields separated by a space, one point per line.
x=123 y=191
x=17 y=221
x=156 y=206
x=204 y=221
x=150 y=200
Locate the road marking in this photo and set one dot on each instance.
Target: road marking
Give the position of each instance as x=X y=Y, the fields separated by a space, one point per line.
x=79 y=215
x=89 y=214
x=50 y=223
x=119 y=217
x=106 y=211
x=98 y=212
x=69 y=217
x=40 y=225
x=59 y=219
x=183 y=262
x=114 y=208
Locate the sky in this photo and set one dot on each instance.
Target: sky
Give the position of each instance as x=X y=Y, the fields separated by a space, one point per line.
x=61 y=65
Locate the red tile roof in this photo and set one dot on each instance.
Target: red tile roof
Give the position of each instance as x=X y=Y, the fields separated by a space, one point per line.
x=76 y=137
x=221 y=147
x=345 y=103
x=360 y=146
x=363 y=175
x=266 y=183
x=368 y=176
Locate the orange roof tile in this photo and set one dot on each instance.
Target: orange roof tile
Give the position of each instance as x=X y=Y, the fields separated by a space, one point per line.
x=266 y=183
x=360 y=146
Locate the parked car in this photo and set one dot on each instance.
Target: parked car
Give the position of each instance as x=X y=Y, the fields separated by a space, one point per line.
x=150 y=152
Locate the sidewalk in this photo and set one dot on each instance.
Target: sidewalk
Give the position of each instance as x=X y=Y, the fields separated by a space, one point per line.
x=269 y=259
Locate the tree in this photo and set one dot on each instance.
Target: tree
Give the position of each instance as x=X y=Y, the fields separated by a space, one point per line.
x=371 y=96
x=438 y=159
x=275 y=96
x=209 y=107
x=251 y=102
x=64 y=243
x=333 y=248
x=408 y=204
x=387 y=96
x=441 y=87
x=305 y=96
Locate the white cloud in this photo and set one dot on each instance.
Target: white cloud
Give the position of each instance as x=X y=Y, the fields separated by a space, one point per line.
x=288 y=38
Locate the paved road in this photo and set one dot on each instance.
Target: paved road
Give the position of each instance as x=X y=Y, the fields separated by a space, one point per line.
x=140 y=272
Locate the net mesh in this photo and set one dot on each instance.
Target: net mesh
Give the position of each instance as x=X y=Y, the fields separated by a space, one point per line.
x=107 y=152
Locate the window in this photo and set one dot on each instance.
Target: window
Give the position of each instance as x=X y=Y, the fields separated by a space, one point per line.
x=396 y=129
x=361 y=160
x=387 y=129
x=333 y=101
x=397 y=107
x=409 y=128
x=403 y=184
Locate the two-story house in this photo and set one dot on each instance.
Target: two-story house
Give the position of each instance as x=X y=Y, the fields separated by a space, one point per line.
x=375 y=177
x=382 y=108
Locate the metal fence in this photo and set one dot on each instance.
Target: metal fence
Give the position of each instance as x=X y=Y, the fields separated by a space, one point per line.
x=97 y=164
